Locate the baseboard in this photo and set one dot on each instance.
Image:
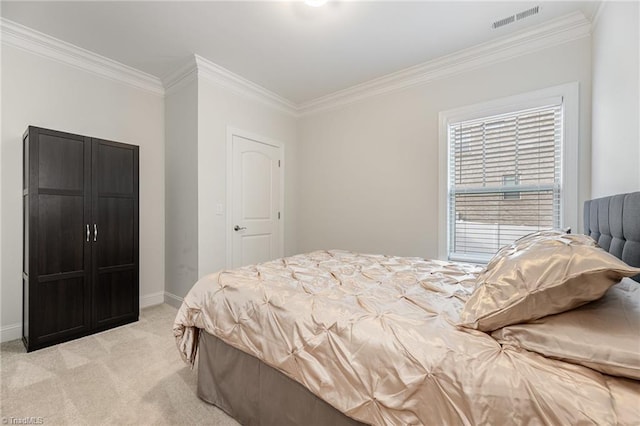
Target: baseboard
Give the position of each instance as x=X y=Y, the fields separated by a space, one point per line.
x=173 y=300
x=152 y=299
x=11 y=332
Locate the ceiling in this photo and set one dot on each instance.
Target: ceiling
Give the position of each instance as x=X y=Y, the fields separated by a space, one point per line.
x=294 y=50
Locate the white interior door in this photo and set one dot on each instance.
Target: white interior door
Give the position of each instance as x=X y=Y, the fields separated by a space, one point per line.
x=255 y=202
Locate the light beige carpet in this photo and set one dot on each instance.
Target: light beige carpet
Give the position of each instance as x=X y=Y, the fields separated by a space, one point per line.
x=129 y=375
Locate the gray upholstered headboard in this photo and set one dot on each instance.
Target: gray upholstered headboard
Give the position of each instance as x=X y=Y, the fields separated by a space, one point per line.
x=614 y=222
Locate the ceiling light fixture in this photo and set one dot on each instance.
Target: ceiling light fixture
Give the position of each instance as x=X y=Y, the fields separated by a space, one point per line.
x=315 y=3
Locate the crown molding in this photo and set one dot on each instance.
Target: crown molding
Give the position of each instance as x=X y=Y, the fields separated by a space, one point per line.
x=562 y=30
x=597 y=14
x=32 y=41
x=198 y=66
x=181 y=77
x=240 y=85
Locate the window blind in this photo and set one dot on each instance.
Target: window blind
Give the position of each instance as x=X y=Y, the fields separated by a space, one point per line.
x=504 y=179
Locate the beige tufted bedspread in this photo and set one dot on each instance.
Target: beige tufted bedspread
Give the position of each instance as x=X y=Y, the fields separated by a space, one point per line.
x=375 y=337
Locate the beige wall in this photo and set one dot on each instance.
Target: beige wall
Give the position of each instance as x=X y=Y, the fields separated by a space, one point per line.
x=219 y=108
x=41 y=92
x=616 y=100
x=181 y=192
x=197 y=115
x=368 y=172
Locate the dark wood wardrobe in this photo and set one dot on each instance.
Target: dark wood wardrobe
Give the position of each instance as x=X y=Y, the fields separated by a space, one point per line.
x=80 y=260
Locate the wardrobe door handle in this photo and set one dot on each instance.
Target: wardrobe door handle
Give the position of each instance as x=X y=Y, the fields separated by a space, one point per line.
x=88 y=232
x=95 y=232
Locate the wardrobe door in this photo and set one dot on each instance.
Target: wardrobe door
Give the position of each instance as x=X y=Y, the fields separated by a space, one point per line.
x=115 y=233
x=57 y=288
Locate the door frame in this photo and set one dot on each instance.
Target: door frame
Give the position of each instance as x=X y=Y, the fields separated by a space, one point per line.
x=231 y=132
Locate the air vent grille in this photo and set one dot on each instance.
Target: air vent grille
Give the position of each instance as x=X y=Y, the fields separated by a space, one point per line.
x=513 y=18
x=527 y=13
x=504 y=22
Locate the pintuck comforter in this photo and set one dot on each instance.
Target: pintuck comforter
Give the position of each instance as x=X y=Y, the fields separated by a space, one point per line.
x=376 y=337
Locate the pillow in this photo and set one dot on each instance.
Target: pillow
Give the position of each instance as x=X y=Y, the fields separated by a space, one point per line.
x=538 y=275
x=602 y=335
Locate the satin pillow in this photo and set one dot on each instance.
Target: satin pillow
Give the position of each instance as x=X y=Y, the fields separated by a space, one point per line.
x=602 y=335
x=538 y=275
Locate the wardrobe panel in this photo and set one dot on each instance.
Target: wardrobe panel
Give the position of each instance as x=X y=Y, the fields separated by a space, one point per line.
x=62 y=308
x=115 y=295
x=61 y=234
x=116 y=237
x=115 y=172
x=25 y=159
x=61 y=163
x=115 y=251
x=25 y=307
x=25 y=234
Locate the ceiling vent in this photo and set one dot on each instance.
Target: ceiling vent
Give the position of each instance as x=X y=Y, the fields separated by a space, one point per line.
x=504 y=22
x=518 y=16
x=527 y=13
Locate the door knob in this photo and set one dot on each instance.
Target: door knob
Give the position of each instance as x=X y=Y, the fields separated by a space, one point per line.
x=239 y=228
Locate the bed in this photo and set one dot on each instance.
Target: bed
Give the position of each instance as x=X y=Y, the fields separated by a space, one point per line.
x=334 y=337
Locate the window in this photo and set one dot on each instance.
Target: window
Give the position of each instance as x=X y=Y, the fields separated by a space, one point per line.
x=506 y=173
x=510 y=181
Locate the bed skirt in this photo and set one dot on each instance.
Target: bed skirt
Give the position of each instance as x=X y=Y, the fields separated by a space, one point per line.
x=254 y=393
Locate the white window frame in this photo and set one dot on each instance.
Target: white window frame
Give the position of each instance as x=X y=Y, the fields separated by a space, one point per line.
x=569 y=157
